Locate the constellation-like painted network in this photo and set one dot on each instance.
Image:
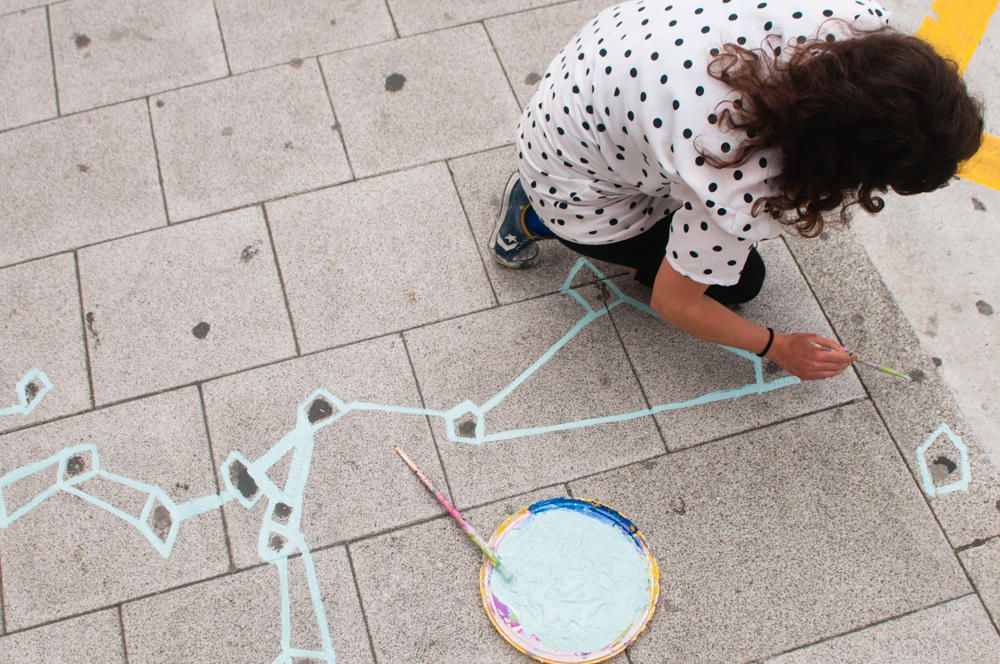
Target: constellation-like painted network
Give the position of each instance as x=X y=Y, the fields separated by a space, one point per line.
x=247 y=482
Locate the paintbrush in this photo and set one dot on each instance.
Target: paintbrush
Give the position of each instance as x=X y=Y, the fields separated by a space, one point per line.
x=455 y=514
x=870 y=365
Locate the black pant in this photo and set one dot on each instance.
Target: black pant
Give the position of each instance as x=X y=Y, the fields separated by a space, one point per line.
x=645 y=252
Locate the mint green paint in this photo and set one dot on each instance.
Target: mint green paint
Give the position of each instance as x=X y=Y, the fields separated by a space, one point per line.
x=576 y=582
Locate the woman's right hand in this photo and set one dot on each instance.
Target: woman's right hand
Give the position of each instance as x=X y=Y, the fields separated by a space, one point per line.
x=809 y=356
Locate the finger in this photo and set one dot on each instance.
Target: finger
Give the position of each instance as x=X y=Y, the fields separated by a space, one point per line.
x=838 y=356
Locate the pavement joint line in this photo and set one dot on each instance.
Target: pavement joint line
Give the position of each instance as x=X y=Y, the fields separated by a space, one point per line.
x=719 y=440
x=976 y=543
x=171 y=223
x=861 y=628
x=38 y=6
x=281 y=280
x=392 y=18
x=275 y=65
x=215 y=475
x=271 y=363
x=427 y=419
x=336 y=120
x=635 y=374
x=496 y=54
x=3 y=604
x=222 y=37
x=52 y=58
x=361 y=603
x=83 y=331
x=121 y=632
x=159 y=168
x=903 y=323
x=468 y=222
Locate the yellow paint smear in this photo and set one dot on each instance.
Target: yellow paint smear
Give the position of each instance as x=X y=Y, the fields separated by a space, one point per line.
x=958 y=29
x=984 y=168
x=956 y=33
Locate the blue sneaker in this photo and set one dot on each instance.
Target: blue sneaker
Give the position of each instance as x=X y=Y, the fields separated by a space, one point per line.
x=511 y=244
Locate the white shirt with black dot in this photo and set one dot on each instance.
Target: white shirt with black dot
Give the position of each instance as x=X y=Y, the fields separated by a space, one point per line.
x=609 y=143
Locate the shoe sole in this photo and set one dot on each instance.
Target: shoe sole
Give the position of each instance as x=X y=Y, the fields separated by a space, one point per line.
x=504 y=206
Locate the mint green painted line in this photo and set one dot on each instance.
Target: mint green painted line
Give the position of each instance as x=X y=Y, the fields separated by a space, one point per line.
x=280 y=534
x=25 y=404
x=965 y=472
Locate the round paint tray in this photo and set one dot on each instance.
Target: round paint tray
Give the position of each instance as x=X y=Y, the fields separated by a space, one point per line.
x=579 y=583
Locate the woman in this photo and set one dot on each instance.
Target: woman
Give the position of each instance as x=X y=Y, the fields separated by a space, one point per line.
x=671 y=137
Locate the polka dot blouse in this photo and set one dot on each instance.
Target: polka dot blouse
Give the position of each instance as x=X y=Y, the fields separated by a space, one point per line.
x=609 y=143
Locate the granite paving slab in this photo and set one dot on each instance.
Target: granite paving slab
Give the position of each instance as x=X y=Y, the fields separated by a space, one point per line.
x=347 y=283
x=41 y=328
x=526 y=42
x=780 y=537
x=67 y=555
x=983 y=565
x=357 y=485
x=10 y=6
x=95 y=637
x=420 y=590
x=867 y=319
x=413 y=16
x=183 y=304
x=481 y=179
x=478 y=358
x=77 y=180
x=247 y=139
x=956 y=631
x=236 y=618
x=260 y=33
x=673 y=366
x=29 y=93
x=420 y=99
x=114 y=50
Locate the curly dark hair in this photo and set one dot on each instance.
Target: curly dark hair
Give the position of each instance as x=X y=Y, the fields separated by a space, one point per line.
x=852 y=117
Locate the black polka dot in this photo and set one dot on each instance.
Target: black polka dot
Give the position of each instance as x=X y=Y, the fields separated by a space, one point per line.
x=677 y=104
x=712 y=186
x=712 y=118
x=699 y=161
x=607 y=70
x=688 y=133
x=797 y=15
x=630 y=115
x=688 y=64
x=678 y=41
x=657 y=122
x=738 y=175
x=708 y=271
x=705 y=29
x=688 y=206
x=686 y=228
x=674 y=253
x=663 y=79
x=694 y=254
x=746 y=227
x=710 y=203
x=748 y=198
x=768 y=25
x=733 y=17
x=628 y=52
x=726 y=147
x=722 y=212
x=717 y=248
x=730 y=263
x=828 y=13
x=699 y=90
x=613 y=222
x=654 y=56
x=633 y=72
x=704 y=225
x=763 y=162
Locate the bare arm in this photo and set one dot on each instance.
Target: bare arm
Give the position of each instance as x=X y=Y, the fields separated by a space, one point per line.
x=682 y=302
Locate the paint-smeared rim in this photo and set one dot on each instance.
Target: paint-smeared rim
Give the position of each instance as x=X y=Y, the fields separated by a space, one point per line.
x=594 y=509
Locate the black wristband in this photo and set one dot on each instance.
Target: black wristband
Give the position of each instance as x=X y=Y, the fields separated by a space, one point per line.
x=770 y=340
